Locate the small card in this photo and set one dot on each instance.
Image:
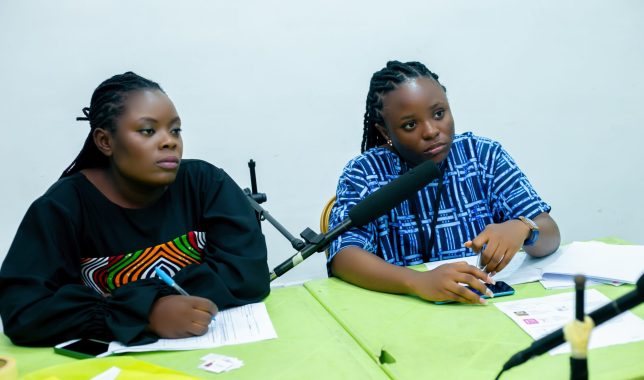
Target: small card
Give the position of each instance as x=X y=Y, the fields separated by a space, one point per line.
x=220 y=363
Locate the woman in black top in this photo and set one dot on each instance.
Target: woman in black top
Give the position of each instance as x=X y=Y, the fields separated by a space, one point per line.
x=82 y=262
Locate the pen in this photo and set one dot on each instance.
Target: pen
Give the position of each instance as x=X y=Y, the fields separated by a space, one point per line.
x=168 y=280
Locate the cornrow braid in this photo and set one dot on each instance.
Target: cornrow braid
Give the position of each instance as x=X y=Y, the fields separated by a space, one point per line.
x=382 y=82
x=106 y=106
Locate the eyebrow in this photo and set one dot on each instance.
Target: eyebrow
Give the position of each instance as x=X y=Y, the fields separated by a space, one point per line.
x=433 y=106
x=153 y=120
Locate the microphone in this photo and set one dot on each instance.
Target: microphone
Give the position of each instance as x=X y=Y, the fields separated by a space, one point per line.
x=370 y=208
x=599 y=316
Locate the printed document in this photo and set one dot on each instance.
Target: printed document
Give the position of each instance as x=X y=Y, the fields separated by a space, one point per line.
x=540 y=316
x=243 y=324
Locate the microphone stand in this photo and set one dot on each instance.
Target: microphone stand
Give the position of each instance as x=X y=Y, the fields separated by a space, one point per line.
x=255 y=198
x=577 y=333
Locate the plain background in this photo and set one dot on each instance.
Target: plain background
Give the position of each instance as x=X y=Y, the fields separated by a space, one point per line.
x=558 y=82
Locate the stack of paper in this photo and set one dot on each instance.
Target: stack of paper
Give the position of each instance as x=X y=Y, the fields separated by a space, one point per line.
x=599 y=262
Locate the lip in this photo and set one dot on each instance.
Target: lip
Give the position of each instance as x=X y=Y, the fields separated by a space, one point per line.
x=435 y=149
x=169 y=162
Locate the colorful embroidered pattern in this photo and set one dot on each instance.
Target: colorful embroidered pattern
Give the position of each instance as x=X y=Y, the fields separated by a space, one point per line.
x=104 y=274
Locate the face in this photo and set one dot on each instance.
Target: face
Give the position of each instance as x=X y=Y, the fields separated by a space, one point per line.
x=418 y=121
x=146 y=147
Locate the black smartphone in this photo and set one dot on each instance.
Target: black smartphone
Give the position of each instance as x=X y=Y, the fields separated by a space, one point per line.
x=499 y=289
x=83 y=348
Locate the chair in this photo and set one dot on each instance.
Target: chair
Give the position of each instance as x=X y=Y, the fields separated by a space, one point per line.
x=326 y=214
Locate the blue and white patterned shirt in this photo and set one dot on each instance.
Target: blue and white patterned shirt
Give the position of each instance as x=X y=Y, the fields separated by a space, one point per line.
x=481 y=185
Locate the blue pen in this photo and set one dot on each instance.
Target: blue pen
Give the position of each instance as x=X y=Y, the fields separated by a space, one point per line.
x=168 y=280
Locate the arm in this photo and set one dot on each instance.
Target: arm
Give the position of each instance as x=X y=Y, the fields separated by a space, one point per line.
x=42 y=298
x=503 y=240
x=368 y=271
x=512 y=195
x=235 y=269
x=549 y=237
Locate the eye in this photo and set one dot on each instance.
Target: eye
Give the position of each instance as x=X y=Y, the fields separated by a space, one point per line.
x=176 y=131
x=439 y=114
x=146 y=131
x=408 y=126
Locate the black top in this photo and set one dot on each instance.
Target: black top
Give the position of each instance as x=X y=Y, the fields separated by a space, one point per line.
x=82 y=267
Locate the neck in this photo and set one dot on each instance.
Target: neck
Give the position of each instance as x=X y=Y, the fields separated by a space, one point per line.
x=121 y=190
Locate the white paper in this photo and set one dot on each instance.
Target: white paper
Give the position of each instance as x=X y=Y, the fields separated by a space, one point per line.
x=600 y=261
x=562 y=281
x=243 y=324
x=543 y=315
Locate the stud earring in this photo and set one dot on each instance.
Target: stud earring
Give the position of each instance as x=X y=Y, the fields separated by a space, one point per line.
x=389 y=143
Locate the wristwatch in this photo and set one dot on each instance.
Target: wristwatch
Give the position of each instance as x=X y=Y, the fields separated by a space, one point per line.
x=534 y=231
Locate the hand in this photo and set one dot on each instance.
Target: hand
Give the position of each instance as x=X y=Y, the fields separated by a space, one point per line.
x=181 y=316
x=499 y=243
x=444 y=283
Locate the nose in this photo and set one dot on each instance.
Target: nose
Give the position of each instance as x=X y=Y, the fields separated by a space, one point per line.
x=168 y=140
x=429 y=130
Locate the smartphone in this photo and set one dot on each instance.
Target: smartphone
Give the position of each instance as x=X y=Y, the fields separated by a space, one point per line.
x=499 y=289
x=83 y=348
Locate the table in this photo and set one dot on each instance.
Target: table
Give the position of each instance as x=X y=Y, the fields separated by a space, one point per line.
x=311 y=345
x=410 y=337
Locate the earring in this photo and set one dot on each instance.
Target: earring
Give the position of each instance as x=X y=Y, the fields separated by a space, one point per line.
x=389 y=143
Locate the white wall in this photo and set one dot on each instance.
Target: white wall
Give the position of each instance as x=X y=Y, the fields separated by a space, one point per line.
x=559 y=83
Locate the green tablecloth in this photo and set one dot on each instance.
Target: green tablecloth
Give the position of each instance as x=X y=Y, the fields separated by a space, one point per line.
x=311 y=345
x=413 y=337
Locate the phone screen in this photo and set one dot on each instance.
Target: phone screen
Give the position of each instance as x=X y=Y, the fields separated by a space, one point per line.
x=498 y=289
x=83 y=348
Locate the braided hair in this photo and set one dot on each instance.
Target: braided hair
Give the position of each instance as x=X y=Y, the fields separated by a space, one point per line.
x=382 y=82
x=106 y=106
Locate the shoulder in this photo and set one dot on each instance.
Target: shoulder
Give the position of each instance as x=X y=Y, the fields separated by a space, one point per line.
x=64 y=196
x=201 y=177
x=469 y=139
x=193 y=170
x=375 y=161
x=467 y=146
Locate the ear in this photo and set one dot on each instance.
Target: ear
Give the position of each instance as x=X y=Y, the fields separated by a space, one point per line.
x=103 y=141
x=383 y=131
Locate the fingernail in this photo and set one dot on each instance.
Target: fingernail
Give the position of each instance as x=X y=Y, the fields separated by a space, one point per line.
x=491 y=280
x=492 y=274
x=483 y=301
x=489 y=293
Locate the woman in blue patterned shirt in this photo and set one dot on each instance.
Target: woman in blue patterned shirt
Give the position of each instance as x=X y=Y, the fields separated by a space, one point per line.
x=483 y=203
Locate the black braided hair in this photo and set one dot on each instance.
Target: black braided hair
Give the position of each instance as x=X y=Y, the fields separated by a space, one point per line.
x=382 y=82
x=106 y=106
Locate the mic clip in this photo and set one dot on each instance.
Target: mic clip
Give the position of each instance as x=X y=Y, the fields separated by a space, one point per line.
x=310 y=237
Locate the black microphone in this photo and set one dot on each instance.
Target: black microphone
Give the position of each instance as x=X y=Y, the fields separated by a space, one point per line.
x=599 y=316
x=370 y=208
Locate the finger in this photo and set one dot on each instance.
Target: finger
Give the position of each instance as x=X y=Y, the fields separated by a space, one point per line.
x=197 y=329
x=465 y=295
x=479 y=241
x=205 y=305
x=509 y=255
x=478 y=273
x=475 y=283
x=491 y=255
